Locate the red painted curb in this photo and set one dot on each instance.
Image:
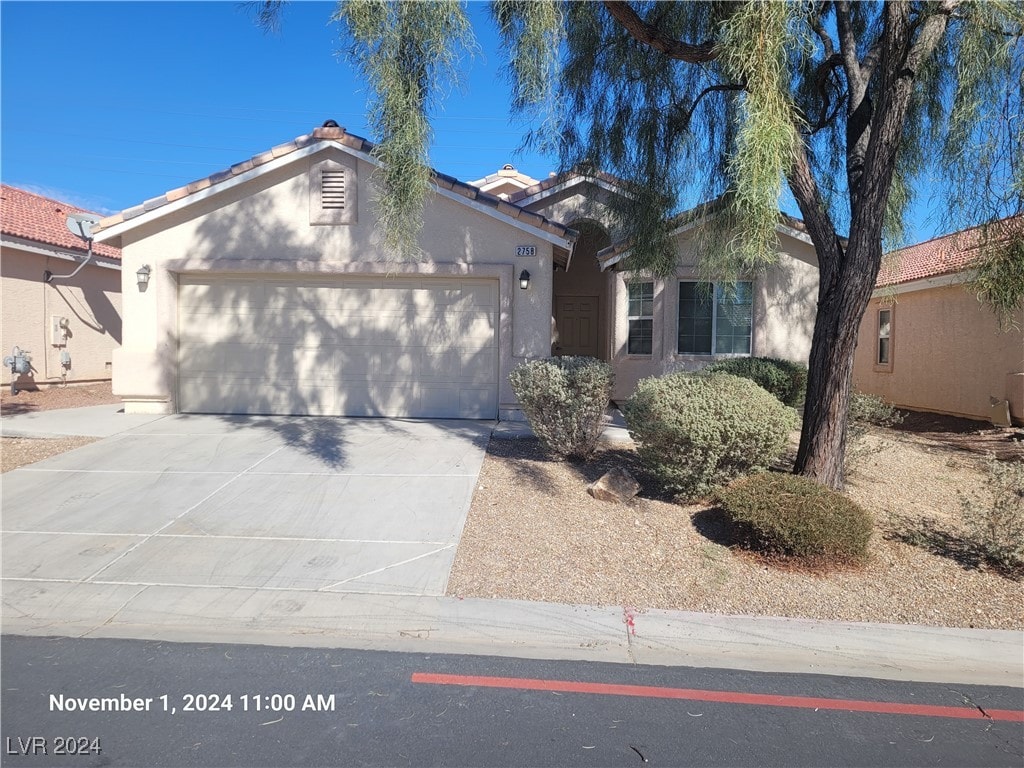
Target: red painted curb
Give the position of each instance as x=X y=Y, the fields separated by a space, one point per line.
x=725 y=697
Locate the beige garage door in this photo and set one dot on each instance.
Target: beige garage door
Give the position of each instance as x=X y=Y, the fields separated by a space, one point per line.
x=353 y=346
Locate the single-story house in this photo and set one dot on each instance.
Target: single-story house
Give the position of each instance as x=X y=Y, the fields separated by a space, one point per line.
x=926 y=342
x=69 y=326
x=270 y=292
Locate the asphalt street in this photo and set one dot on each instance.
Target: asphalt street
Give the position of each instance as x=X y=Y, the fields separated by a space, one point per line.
x=110 y=702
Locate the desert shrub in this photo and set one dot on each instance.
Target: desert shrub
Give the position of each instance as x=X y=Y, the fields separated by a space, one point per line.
x=784 y=379
x=871 y=409
x=699 y=431
x=997 y=528
x=865 y=410
x=564 y=400
x=791 y=516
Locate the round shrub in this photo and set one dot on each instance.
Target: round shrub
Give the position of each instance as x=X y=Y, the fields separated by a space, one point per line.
x=564 y=400
x=792 y=516
x=699 y=431
x=784 y=379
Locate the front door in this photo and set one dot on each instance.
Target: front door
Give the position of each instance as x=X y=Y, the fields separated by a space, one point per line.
x=576 y=325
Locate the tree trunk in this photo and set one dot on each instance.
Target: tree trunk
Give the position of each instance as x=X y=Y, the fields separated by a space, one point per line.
x=841 y=306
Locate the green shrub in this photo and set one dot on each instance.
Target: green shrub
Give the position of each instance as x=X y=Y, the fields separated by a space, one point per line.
x=698 y=431
x=997 y=528
x=791 y=516
x=871 y=409
x=784 y=379
x=564 y=400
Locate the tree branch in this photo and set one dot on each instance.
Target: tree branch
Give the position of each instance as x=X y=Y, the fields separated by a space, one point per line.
x=848 y=49
x=650 y=35
x=819 y=30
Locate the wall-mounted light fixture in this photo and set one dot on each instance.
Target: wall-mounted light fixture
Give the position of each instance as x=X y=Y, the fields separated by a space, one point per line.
x=524 y=279
x=142 y=276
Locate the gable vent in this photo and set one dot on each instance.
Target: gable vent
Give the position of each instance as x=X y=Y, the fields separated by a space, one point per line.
x=332 y=190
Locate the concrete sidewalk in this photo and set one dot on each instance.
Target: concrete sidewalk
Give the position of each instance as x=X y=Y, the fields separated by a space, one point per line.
x=296 y=618
x=300 y=617
x=92 y=421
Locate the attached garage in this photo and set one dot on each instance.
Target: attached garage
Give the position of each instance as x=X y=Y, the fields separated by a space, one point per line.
x=351 y=346
x=268 y=289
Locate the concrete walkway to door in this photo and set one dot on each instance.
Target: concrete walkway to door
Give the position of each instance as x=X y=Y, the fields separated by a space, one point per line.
x=326 y=505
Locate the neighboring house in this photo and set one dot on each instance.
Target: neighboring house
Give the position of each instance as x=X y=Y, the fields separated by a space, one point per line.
x=926 y=343
x=270 y=292
x=34 y=239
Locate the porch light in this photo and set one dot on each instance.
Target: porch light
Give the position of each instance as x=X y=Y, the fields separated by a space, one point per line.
x=524 y=279
x=142 y=276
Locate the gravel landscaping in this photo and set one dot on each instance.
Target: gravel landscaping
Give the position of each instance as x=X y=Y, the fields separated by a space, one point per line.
x=533 y=533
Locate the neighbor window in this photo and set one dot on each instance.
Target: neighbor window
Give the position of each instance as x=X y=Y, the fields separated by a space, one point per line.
x=641 y=319
x=883 y=357
x=715 y=319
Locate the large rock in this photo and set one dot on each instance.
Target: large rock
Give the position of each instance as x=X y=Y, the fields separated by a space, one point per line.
x=615 y=485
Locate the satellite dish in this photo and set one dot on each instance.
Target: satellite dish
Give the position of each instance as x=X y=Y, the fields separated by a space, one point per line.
x=80 y=224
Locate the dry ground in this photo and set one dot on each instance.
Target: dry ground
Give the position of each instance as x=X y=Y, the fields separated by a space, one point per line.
x=533 y=533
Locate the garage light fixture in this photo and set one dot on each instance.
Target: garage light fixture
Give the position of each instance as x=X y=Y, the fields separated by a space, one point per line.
x=524 y=279
x=142 y=276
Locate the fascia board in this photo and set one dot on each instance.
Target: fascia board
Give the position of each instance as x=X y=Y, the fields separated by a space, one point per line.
x=782 y=229
x=568 y=185
x=55 y=252
x=922 y=284
x=226 y=185
x=564 y=242
x=282 y=162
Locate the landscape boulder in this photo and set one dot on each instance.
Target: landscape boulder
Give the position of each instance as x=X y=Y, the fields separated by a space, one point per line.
x=616 y=485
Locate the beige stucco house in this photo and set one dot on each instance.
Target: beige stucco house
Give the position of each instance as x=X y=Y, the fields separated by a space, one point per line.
x=926 y=343
x=270 y=292
x=70 y=325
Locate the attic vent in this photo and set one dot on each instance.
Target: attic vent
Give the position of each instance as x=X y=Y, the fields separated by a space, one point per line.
x=332 y=189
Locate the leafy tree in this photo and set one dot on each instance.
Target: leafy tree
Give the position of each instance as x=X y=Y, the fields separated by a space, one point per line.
x=848 y=104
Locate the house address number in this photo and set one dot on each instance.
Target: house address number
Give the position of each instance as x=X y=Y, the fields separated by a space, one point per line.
x=526 y=250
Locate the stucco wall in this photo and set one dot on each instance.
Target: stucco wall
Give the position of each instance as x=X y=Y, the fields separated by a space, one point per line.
x=784 y=308
x=948 y=355
x=91 y=302
x=264 y=226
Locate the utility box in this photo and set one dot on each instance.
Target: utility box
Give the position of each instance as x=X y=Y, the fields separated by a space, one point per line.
x=58 y=330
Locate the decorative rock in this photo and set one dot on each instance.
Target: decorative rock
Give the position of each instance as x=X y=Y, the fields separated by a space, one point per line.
x=616 y=485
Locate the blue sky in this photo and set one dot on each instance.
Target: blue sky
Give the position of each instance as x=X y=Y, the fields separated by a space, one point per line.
x=105 y=105
x=108 y=104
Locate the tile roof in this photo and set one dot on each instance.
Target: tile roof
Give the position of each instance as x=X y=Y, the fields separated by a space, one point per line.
x=341 y=136
x=565 y=177
x=43 y=220
x=613 y=253
x=944 y=255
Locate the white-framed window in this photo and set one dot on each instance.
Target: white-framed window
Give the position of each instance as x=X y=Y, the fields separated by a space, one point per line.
x=641 y=319
x=883 y=349
x=715 y=319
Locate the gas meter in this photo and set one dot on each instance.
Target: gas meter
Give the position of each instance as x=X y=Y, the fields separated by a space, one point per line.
x=20 y=363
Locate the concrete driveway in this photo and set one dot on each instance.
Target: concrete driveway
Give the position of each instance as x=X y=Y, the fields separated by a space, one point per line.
x=326 y=505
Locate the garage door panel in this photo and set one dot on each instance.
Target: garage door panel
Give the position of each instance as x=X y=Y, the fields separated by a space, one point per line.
x=356 y=346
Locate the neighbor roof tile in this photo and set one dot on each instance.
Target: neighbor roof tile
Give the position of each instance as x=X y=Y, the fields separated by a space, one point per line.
x=43 y=220
x=944 y=255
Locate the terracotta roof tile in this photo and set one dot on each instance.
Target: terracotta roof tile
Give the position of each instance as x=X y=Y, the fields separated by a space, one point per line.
x=338 y=134
x=562 y=178
x=43 y=220
x=944 y=255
